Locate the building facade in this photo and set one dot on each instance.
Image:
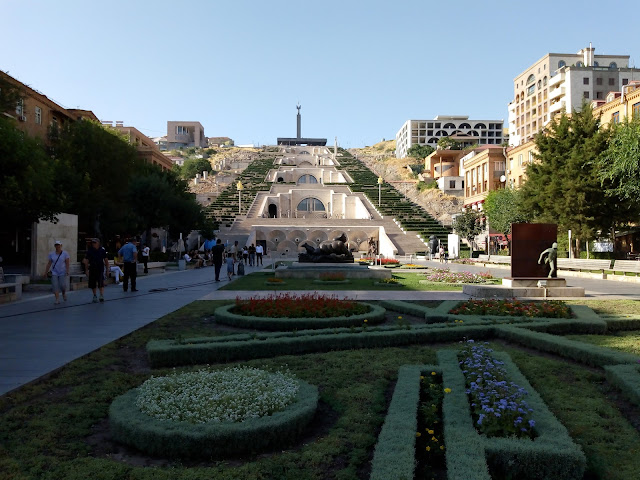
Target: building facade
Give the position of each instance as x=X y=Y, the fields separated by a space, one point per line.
x=484 y=170
x=467 y=132
x=146 y=148
x=185 y=134
x=562 y=82
x=619 y=106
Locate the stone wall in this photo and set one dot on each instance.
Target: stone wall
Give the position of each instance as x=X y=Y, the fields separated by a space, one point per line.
x=46 y=233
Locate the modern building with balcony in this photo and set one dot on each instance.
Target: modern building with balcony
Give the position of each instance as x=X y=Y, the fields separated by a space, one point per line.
x=484 y=170
x=562 y=82
x=460 y=128
x=185 y=134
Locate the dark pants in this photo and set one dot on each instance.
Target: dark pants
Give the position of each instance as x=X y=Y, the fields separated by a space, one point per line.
x=145 y=260
x=129 y=271
x=217 y=266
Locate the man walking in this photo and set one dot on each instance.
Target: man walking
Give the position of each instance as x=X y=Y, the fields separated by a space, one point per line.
x=59 y=271
x=217 y=254
x=96 y=264
x=259 y=252
x=145 y=257
x=129 y=254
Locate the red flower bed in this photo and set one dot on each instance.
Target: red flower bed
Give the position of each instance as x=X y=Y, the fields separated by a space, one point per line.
x=514 y=308
x=385 y=261
x=308 y=305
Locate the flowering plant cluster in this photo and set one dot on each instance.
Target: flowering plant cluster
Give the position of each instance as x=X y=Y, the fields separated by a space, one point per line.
x=444 y=275
x=497 y=405
x=231 y=395
x=385 y=261
x=547 y=309
x=332 y=277
x=465 y=261
x=412 y=265
x=430 y=435
x=308 y=305
x=389 y=281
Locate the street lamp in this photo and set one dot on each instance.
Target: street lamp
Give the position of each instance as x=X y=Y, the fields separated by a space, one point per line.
x=379 y=188
x=239 y=186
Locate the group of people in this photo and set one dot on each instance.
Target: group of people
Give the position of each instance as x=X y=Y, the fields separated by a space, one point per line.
x=251 y=255
x=96 y=267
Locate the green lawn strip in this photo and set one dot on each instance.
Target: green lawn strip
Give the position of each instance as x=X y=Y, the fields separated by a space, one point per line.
x=465 y=453
x=608 y=307
x=225 y=316
x=394 y=454
x=407 y=281
x=578 y=398
x=625 y=341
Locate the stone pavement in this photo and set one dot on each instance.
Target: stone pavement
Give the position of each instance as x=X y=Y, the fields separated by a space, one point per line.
x=37 y=337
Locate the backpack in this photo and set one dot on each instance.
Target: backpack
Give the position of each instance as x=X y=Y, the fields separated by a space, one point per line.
x=241 y=268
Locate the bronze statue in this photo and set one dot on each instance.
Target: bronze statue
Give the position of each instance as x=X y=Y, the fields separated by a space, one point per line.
x=335 y=252
x=551 y=259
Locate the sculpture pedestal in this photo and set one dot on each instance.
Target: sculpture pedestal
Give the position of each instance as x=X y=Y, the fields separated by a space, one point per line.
x=525 y=287
x=315 y=270
x=534 y=282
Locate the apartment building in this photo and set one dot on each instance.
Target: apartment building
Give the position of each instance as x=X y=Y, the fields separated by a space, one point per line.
x=460 y=128
x=443 y=166
x=619 y=106
x=35 y=113
x=185 y=134
x=146 y=148
x=562 y=82
x=484 y=170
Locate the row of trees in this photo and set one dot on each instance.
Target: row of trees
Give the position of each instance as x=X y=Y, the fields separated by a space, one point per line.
x=89 y=170
x=586 y=179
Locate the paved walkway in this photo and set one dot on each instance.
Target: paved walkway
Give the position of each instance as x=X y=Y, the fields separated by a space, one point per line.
x=37 y=337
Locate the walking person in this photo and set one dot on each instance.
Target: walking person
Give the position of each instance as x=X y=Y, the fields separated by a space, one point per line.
x=59 y=272
x=259 y=252
x=230 y=265
x=129 y=255
x=145 y=257
x=245 y=254
x=96 y=264
x=252 y=255
x=217 y=254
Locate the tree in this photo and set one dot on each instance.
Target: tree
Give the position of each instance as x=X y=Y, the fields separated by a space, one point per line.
x=564 y=187
x=504 y=207
x=420 y=151
x=619 y=164
x=28 y=192
x=195 y=165
x=448 y=143
x=469 y=224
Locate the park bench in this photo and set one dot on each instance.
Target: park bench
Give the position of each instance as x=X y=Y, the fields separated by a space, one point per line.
x=9 y=291
x=584 y=265
x=500 y=259
x=626 y=266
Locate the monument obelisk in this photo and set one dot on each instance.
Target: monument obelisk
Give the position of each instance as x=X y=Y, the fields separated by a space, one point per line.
x=298 y=123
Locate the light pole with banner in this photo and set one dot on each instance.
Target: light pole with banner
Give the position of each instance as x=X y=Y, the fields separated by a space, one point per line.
x=379 y=190
x=239 y=186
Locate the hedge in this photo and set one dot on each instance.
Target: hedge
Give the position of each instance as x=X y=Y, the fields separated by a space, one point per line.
x=626 y=378
x=224 y=316
x=394 y=454
x=210 y=440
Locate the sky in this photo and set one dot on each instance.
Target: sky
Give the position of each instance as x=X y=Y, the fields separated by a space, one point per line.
x=359 y=69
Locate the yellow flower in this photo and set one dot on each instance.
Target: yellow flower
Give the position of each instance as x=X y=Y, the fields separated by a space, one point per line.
x=399 y=317
x=418 y=434
x=430 y=432
x=365 y=320
x=428 y=449
x=433 y=373
x=441 y=447
x=447 y=390
x=434 y=439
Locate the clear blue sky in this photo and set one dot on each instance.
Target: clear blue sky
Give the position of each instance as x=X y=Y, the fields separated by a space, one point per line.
x=359 y=69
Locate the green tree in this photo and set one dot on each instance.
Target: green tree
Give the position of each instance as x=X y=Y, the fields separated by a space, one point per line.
x=195 y=165
x=504 y=207
x=469 y=224
x=28 y=192
x=420 y=151
x=448 y=143
x=619 y=164
x=564 y=186
x=10 y=94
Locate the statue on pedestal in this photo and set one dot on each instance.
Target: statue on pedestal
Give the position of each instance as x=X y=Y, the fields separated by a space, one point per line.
x=551 y=259
x=335 y=252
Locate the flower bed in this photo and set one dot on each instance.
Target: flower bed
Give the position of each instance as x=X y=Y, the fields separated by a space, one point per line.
x=388 y=282
x=444 y=275
x=278 y=317
x=235 y=428
x=413 y=266
x=430 y=447
x=380 y=261
x=308 y=305
x=546 y=309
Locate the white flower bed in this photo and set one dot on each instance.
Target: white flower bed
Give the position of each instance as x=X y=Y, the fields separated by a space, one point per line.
x=231 y=395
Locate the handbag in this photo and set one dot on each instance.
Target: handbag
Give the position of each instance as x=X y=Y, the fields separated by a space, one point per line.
x=50 y=273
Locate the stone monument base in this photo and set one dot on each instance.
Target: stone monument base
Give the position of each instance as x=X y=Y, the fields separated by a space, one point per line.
x=315 y=270
x=525 y=287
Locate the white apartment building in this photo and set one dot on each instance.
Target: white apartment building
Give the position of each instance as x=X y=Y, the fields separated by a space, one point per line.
x=561 y=82
x=428 y=132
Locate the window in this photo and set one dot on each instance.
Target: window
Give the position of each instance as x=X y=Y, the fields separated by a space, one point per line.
x=180 y=130
x=307 y=179
x=599 y=95
x=20 y=107
x=612 y=81
x=635 y=110
x=585 y=81
x=599 y=81
x=579 y=64
x=452 y=184
x=520 y=159
x=596 y=64
x=531 y=79
x=38 y=116
x=531 y=88
x=311 y=205
x=613 y=65
x=625 y=81
x=561 y=63
x=615 y=118
x=530 y=156
x=544 y=81
x=585 y=94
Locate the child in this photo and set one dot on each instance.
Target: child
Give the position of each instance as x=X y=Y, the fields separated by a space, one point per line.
x=229 y=265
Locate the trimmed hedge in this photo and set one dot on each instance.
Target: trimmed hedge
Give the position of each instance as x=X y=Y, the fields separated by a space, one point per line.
x=626 y=378
x=465 y=453
x=581 y=352
x=224 y=316
x=394 y=454
x=210 y=440
x=622 y=323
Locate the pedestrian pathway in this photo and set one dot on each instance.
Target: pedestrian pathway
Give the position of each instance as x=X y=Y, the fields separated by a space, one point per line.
x=37 y=337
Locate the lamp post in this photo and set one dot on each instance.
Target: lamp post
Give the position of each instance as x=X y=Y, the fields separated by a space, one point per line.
x=379 y=188
x=239 y=186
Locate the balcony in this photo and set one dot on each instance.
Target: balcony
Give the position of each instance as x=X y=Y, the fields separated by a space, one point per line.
x=557 y=107
x=556 y=93
x=556 y=79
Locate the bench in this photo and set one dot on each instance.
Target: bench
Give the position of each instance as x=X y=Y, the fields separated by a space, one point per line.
x=582 y=264
x=626 y=266
x=9 y=291
x=502 y=259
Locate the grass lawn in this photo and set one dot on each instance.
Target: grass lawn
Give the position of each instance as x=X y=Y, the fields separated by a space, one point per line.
x=407 y=281
x=56 y=428
x=623 y=341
